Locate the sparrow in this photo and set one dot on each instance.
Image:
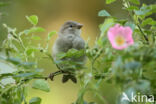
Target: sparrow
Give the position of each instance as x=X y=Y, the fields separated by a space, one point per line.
x=69 y=37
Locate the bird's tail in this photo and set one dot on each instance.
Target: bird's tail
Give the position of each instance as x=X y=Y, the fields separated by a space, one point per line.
x=65 y=78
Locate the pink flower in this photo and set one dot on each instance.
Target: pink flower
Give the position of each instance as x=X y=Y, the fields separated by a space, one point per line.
x=120 y=37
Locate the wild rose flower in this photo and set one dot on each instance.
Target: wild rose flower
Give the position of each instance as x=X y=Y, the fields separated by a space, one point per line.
x=120 y=37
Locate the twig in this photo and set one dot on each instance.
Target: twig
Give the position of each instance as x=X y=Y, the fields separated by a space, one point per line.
x=50 y=76
x=146 y=38
x=130 y=13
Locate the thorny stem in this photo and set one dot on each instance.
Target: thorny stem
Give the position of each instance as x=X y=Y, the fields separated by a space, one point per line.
x=95 y=58
x=51 y=76
x=47 y=54
x=130 y=13
x=21 y=42
x=146 y=38
x=18 y=38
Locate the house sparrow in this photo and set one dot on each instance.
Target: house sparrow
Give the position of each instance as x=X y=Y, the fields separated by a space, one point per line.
x=69 y=37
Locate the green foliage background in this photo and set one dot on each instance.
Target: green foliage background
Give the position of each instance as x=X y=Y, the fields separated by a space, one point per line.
x=108 y=72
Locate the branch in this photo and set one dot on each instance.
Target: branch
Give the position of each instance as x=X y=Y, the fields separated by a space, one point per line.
x=146 y=38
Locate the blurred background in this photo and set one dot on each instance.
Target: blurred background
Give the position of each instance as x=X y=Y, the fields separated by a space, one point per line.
x=52 y=14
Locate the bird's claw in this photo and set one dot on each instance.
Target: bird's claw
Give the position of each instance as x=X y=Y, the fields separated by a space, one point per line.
x=51 y=76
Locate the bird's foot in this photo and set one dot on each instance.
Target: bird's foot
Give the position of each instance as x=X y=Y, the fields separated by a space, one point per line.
x=51 y=76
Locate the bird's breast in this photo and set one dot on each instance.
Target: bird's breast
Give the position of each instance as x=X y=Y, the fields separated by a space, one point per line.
x=70 y=37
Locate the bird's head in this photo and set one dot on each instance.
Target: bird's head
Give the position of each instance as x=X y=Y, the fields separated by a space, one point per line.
x=71 y=27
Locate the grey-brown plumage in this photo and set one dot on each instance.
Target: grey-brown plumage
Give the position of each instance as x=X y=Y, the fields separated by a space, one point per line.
x=69 y=37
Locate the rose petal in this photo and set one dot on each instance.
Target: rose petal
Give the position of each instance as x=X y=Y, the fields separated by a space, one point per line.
x=125 y=32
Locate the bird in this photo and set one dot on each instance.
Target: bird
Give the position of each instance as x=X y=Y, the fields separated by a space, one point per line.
x=69 y=37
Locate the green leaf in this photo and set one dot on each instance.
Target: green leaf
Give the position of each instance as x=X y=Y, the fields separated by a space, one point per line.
x=30 y=51
x=131 y=25
x=51 y=34
x=130 y=8
x=101 y=41
x=110 y=1
x=143 y=10
x=153 y=28
x=103 y=13
x=135 y=2
x=106 y=25
x=75 y=53
x=32 y=19
x=148 y=21
x=3 y=4
x=25 y=75
x=58 y=61
x=4 y=74
x=11 y=30
x=27 y=64
x=132 y=65
x=41 y=85
x=36 y=38
x=60 y=55
x=6 y=67
x=33 y=30
x=14 y=60
x=143 y=85
x=35 y=100
x=8 y=80
x=121 y=21
x=153 y=7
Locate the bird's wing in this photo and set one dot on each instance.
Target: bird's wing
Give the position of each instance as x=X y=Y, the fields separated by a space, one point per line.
x=78 y=43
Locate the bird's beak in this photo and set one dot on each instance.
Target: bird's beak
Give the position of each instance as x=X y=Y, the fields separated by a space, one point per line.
x=79 y=26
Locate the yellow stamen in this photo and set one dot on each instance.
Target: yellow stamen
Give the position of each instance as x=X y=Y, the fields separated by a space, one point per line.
x=119 y=40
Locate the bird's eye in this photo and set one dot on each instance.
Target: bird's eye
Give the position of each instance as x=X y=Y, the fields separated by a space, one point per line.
x=70 y=25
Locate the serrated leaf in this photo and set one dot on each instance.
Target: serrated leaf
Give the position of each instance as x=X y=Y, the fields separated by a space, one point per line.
x=110 y=1
x=33 y=30
x=75 y=53
x=35 y=100
x=106 y=25
x=131 y=25
x=148 y=21
x=32 y=19
x=103 y=13
x=135 y=2
x=41 y=85
x=60 y=55
x=121 y=21
x=143 y=10
x=71 y=52
x=51 y=34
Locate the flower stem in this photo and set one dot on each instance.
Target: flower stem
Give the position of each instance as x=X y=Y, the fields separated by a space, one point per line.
x=146 y=38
